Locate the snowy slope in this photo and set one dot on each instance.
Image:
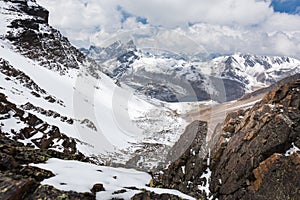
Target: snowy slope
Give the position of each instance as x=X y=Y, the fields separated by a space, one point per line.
x=110 y=123
x=112 y=110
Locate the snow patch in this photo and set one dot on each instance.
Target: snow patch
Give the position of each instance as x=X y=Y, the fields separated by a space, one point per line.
x=80 y=177
x=204 y=187
x=293 y=149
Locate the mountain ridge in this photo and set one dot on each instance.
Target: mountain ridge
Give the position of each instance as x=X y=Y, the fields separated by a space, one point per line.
x=170 y=78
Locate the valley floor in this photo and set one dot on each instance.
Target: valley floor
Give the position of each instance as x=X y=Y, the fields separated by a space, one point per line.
x=214 y=114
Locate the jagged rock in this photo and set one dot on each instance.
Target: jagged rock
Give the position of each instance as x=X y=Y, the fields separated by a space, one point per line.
x=31 y=35
x=37 y=11
x=15 y=187
x=277 y=177
x=249 y=158
x=48 y=113
x=20 y=181
x=232 y=120
x=97 y=188
x=49 y=192
x=152 y=196
x=26 y=35
x=7 y=162
x=34 y=126
x=89 y=124
x=245 y=166
x=120 y=191
x=17 y=179
x=184 y=173
x=34 y=172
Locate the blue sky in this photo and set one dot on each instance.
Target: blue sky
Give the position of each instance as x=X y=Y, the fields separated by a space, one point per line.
x=286 y=6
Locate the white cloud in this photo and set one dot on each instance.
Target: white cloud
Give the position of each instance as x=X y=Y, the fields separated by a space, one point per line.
x=172 y=13
x=222 y=39
x=222 y=26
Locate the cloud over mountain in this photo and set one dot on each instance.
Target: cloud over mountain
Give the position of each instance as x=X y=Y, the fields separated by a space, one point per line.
x=230 y=25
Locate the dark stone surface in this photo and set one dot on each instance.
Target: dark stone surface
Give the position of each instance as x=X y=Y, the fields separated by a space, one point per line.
x=152 y=196
x=262 y=135
x=49 y=192
x=19 y=181
x=48 y=46
x=185 y=172
x=15 y=187
x=248 y=160
x=34 y=126
x=98 y=187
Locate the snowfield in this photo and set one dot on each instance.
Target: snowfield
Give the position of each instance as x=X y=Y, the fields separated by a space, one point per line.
x=110 y=121
x=80 y=177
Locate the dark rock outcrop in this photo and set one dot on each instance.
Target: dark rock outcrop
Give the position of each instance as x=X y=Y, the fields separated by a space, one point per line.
x=15 y=187
x=259 y=139
x=39 y=12
x=184 y=173
x=18 y=180
x=98 y=187
x=15 y=75
x=44 y=136
x=255 y=155
x=49 y=192
x=152 y=196
x=34 y=38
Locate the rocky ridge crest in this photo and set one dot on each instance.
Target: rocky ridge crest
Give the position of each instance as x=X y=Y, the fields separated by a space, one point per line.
x=256 y=155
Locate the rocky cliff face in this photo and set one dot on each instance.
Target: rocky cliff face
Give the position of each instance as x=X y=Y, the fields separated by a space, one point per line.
x=30 y=34
x=34 y=38
x=185 y=173
x=256 y=155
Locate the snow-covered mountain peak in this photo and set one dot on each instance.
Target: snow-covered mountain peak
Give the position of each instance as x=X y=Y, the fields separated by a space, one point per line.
x=114 y=50
x=179 y=77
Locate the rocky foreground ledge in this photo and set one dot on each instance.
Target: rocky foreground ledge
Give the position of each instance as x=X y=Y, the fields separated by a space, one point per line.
x=18 y=180
x=256 y=155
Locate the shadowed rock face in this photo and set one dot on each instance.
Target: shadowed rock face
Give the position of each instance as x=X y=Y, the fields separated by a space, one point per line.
x=31 y=35
x=184 y=173
x=253 y=157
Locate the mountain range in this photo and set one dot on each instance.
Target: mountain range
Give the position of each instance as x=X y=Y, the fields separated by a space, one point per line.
x=170 y=77
x=80 y=123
